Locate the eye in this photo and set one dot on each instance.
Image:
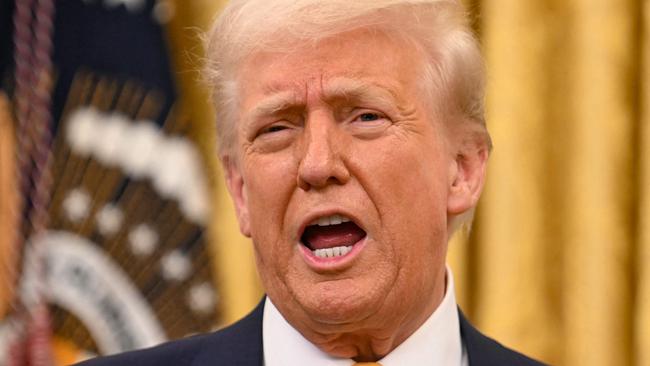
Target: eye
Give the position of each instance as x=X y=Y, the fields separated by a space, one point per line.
x=369 y=117
x=272 y=129
x=273 y=137
x=367 y=123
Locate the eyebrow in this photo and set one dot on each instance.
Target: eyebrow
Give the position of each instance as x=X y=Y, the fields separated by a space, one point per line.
x=358 y=90
x=277 y=102
x=335 y=89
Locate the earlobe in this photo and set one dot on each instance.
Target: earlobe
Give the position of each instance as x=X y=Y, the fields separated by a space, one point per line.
x=467 y=179
x=237 y=190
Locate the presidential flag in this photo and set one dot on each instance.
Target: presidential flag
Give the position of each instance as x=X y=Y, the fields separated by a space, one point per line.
x=113 y=193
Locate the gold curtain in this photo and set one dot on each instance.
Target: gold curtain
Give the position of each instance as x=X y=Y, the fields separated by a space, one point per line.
x=557 y=263
x=641 y=315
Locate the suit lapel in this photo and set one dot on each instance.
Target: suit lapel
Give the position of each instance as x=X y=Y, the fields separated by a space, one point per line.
x=238 y=345
x=484 y=351
x=481 y=350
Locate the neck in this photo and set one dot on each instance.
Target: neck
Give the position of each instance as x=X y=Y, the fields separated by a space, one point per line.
x=376 y=336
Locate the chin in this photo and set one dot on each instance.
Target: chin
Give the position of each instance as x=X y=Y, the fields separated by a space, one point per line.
x=338 y=303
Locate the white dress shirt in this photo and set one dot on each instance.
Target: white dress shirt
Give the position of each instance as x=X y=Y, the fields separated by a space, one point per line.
x=436 y=342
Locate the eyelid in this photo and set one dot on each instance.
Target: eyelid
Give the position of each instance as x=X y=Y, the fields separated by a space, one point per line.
x=266 y=129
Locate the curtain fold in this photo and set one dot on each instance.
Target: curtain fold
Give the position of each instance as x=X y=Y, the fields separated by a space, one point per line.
x=642 y=280
x=599 y=183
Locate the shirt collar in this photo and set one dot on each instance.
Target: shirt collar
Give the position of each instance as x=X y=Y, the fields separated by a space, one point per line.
x=436 y=342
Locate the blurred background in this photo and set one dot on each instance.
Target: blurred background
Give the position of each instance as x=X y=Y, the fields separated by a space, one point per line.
x=116 y=231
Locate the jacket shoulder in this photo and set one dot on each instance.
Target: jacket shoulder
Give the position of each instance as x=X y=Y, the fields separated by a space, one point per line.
x=485 y=351
x=180 y=352
x=238 y=344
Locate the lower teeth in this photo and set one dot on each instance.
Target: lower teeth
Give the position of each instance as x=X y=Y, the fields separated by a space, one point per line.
x=332 y=252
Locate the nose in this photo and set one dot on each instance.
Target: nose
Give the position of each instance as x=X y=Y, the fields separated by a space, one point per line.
x=321 y=162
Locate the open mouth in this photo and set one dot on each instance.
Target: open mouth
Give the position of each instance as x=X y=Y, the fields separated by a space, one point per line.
x=331 y=236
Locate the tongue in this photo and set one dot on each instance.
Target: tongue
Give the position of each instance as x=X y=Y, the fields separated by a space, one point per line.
x=344 y=234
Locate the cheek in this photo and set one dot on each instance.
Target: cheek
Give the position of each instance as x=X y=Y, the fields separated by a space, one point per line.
x=269 y=182
x=408 y=185
x=407 y=181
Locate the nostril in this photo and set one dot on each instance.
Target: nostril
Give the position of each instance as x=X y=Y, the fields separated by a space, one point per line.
x=302 y=184
x=330 y=181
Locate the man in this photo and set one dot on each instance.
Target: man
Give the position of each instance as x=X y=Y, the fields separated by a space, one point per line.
x=354 y=144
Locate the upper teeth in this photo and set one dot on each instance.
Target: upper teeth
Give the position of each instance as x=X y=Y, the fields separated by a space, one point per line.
x=330 y=220
x=332 y=252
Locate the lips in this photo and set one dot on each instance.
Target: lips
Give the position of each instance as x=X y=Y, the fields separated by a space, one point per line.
x=331 y=236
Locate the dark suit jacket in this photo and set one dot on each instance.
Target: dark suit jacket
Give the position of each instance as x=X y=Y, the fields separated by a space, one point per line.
x=241 y=345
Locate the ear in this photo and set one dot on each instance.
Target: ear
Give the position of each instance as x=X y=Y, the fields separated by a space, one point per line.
x=467 y=176
x=237 y=190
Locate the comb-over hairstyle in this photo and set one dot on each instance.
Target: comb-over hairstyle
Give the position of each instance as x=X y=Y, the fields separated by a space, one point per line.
x=452 y=75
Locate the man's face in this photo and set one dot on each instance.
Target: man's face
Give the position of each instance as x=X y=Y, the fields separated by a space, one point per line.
x=342 y=131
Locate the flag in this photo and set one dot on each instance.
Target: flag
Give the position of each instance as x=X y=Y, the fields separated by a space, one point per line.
x=121 y=261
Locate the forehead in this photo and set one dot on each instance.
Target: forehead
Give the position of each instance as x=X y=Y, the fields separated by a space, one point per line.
x=351 y=63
